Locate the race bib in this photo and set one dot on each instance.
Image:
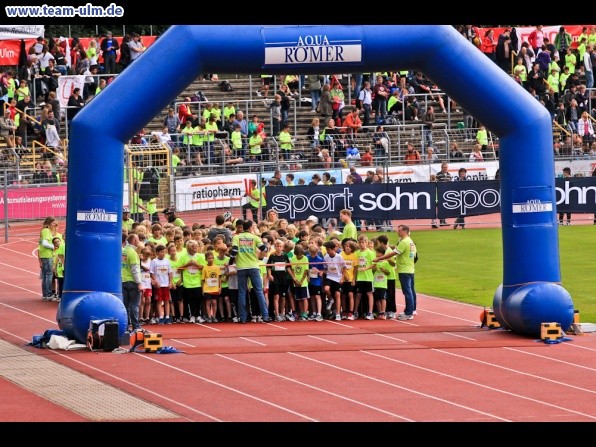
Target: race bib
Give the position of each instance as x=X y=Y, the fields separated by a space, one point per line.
x=192 y=269
x=279 y=266
x=232 y=269
x=349 y=265
x=379 y=278
x=313 y=273
x=212 y=282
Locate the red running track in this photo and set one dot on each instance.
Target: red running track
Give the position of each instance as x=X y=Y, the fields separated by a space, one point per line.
x=439 y=367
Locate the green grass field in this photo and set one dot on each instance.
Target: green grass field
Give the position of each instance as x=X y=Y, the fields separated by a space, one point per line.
x=467 y=265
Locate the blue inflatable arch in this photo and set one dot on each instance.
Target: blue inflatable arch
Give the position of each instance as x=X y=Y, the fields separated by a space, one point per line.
x=531 y=292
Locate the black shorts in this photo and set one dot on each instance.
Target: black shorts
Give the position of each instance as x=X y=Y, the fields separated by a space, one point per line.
x=314 y=290
x=347 y=287
x=224 y=292
x=364 y=286
x=267 y=80
x=380 y=294
x=301 y=293
x=276 y=288
x=333 y=287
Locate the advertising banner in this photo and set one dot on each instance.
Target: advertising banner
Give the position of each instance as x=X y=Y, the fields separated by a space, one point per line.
x=34 y=203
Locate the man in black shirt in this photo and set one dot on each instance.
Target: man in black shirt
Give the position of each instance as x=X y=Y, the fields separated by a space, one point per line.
x=444 y=176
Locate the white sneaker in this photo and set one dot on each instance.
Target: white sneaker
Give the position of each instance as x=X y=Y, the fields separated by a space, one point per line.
x=200 y=319
x=290 y=317
x=405 y=317
x=414 y=313
x=337 y=317
x=329 y=304
x=369 y=316
x=153 y=321
x=192 y=319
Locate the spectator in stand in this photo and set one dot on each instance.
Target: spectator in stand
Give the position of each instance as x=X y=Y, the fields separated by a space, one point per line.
x=315 y=83
x=338 y=102
x=75 y=103
x=562 y=43
x=422 y=85
x=92 y=52
x=476 y=154
x=364 y=101
x=109 y=47
x=504 y=50
x=454 y=152
x=366 y=159
x=286 y=142
x=253 y=125
x=489 y=45
x=286 y=98
x=583 y=99
x=276 y=116
x=52 y=138
x=536 y=38
x=185 y=112
x=43 y=173
x=173 y=124
x=313 y=132
x=520 y=73
x=395 y=103
x=330 y=137
x=136 y=47
x=125 y=60
x=570 y=60
x=8 y=129
x=412 y=156
x=55 y=103
x=431 y=157
x=357 y=177
x=380 y=98
x=381 y=142
x=25 y=127
x=428 y=120
x=585 y=129
x=543 y=60
x=482 y=137
x=588 y=68
x=352 y=123
x=326 y=103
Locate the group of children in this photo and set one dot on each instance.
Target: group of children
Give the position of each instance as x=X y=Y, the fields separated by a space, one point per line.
x=306 y=274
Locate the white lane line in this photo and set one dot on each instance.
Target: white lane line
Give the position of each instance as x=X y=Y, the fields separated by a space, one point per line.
x=252 y=341
x=551 y=359
x=308 y=385
x=393 y=385
x=556 y=382
x=322 y=339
